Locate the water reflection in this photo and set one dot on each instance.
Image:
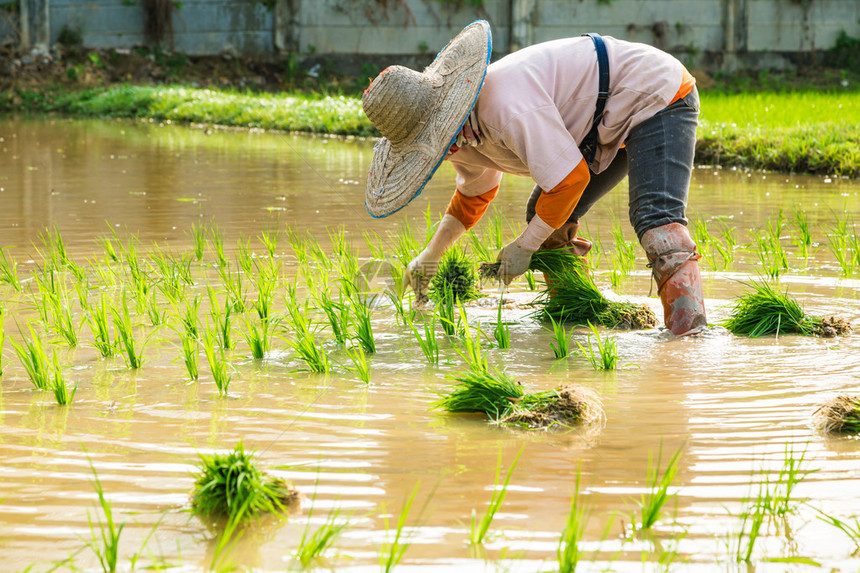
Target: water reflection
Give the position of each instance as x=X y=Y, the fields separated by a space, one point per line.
x=732 y=404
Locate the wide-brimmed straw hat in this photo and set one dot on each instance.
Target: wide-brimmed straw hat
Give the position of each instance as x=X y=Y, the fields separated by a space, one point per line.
x=420 y=114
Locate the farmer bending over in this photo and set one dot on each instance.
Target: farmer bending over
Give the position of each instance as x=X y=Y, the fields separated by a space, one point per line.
x=576 y=115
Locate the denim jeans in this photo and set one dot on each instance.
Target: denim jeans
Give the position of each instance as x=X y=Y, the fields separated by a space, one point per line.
x=658 y=160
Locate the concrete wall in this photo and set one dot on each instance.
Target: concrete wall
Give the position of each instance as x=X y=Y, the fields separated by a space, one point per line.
x=715 y=34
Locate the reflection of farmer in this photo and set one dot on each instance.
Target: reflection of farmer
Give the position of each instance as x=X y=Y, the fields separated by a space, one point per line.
x=539 y=114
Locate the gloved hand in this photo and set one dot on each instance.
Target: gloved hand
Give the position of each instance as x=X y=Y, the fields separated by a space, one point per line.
x=516 y=256
x=421 y=269
x=514 y=261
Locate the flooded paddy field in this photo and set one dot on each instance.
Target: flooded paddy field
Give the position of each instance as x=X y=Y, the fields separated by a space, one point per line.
x=737 y=409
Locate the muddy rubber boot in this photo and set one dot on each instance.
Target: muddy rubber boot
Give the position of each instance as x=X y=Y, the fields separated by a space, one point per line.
x=674 y=263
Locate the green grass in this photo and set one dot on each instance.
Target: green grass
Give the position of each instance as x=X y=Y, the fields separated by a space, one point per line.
x=800 y=131
x=131 y=348
x=9 y=271
x=313 y=545
x=501 y=330
x=560 y=343
x=569 y=552
x=428 y=343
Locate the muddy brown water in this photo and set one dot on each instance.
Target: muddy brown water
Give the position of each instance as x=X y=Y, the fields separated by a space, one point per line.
x=734 y=405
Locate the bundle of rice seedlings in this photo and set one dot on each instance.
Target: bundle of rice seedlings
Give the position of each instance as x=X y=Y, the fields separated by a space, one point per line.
x=549 y=262
x=456 y=275
x=765 y=310
x=505 y=401
x=231 y=486
x=840 y=415
x=573 y=297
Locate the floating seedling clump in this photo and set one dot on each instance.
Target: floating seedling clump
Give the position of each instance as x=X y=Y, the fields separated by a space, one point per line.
x=765 y=310
x=231 y=486
x=456 y=275
x=506 y=401
x=840 y=415
x=572 y=296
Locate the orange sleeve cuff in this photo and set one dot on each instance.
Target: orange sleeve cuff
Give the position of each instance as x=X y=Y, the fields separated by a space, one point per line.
x=556 y=205
x=688 y=82
x=469 y=210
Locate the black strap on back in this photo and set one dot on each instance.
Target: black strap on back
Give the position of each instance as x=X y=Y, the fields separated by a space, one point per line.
x=589 y=145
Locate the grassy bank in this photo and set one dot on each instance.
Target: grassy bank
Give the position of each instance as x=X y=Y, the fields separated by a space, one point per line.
x=807 y=131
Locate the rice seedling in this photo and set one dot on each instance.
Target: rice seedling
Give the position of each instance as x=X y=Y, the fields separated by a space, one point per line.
x=270 y=238
x=109 y=248
x=531 y=282
x=839 y=415
x=456 y=275
x=850 y=528
x=2 y=334
x=58 y=384
x=753 y=518
x=428 y=343
x=404 y=244
x=198 y=239
x=131 y=349
x=470 y=346
x=188 y=317
x=63 y=322
x=480 y=527
x=98 y=317
x=244 y=256
x=804 y=237
x=57 y=257
x=104 y=276
x=764 y=310
x=338 y=314
x=190 y=346
x=375 y=245
x=391 y=553
x=151 y=309
x=496 y=228
x=478 y=245
x=625 y=251
x=258 y=336
x=9 y=271
x=217 y=361
x=573 y=297
x=313 y=545
x=174 y=273
x=299 y=244
x=216 y=237
x=501 y=331
x=231 y=486
x=359 y=360
x=104 y=535
x=561 y=340
x=605 y=355
x=710 y=246
x=568 y=552
x=266 y=281
x=790 y=475
x=363 y=327
x=651 y=503
x=403 y=313
x=844 y=243
x=445 y=310
x=505 y=401
x=220 y=315
x=232 y=283
x=34 y=358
